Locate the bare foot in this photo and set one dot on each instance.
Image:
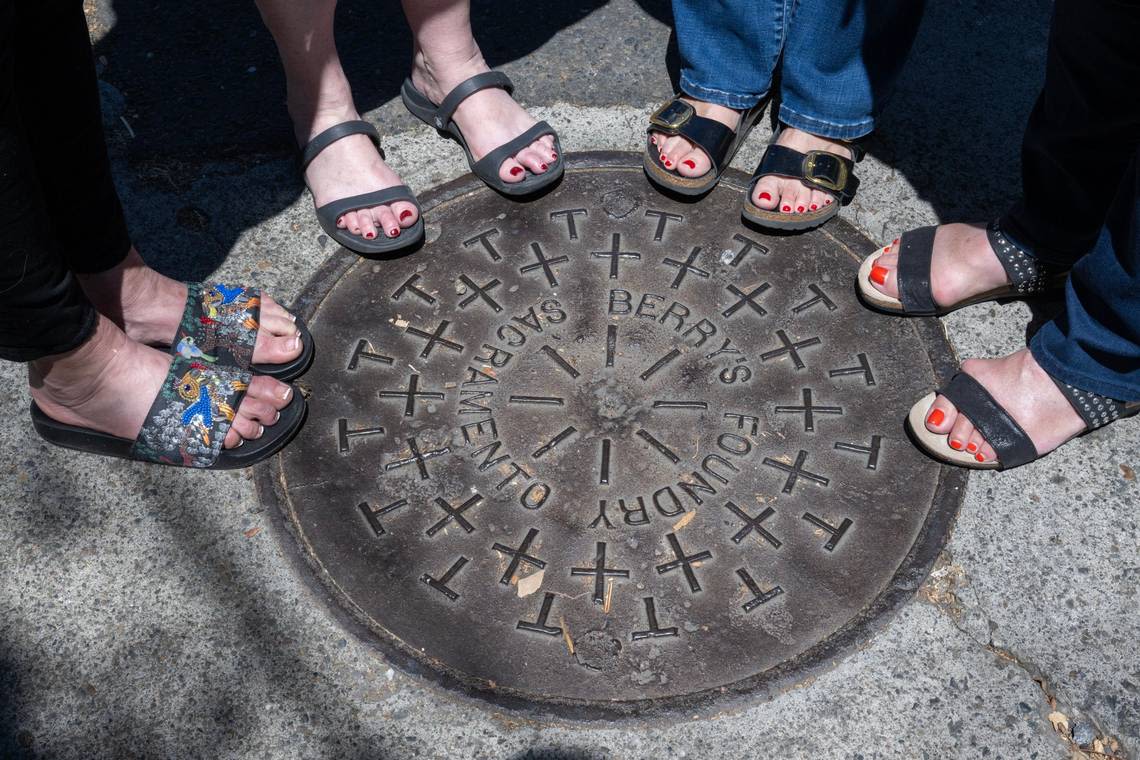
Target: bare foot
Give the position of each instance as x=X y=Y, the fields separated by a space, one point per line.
x=1023 y=389
x=964 y=265
x=148 y=307
x=489 y=118
x=109 y=383
x=681 y=155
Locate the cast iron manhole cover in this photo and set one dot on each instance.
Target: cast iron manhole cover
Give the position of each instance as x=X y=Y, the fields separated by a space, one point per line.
x=605 y=453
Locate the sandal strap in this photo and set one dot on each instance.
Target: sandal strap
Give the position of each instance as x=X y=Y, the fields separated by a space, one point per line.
x=190 y=416
x=1025 y=272
x=818 y=169
x=1009 y=440
x=493 y=160
x=219 y=324
x=1096 y=410
x=334 y=133
x=678 y=118
x=916 y=251
x=466 y=89
x=333 y=210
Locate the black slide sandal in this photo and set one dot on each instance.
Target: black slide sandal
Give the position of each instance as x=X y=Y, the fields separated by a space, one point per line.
x=486 y=168
x=678 y=118
x=1000 y=430
x=219 y=325
x=187 y=423
x=330 y=212
x=818 y=170
x=1027 y=276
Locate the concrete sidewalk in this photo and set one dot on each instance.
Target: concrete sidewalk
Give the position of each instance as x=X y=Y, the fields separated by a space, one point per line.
x=151 y=613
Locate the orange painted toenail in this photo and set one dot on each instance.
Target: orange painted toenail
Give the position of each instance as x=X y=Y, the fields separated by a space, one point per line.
x=936 y=417
x=979 y=457
x=690 y=163
x=516 y=171
x=956 y=445
x=765 y=197
x=972 y=448
x=879 y=275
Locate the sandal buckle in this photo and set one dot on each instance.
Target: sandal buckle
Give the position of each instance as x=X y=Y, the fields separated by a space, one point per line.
x=672 y=115
x=825 y=170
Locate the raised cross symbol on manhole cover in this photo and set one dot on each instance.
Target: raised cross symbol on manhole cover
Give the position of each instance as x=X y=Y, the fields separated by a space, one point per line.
x=604 y=452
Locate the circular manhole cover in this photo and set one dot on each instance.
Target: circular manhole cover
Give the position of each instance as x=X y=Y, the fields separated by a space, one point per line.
x=604 y=453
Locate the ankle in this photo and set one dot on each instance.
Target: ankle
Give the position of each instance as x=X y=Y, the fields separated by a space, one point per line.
x=71 y=379
x=312 y=115
x=439 y=70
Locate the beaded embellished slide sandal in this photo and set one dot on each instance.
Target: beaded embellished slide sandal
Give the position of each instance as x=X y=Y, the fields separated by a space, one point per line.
x=1013 y=446
x=219 y=325
x=1027 y=276
x=187 y=423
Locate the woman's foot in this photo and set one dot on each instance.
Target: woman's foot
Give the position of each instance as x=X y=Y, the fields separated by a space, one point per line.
x=790 y=196
x=1026 y=393
x=148 y=306
x=351 y=166
x=963 y=265
x=109 y=383
x=682 y=156
x=488 y=118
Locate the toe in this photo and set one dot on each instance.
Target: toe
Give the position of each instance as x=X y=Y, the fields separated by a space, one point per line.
x=341 y=222
x=276 y=349
x=386 y=221
x=815 y=201
x=766 y=194
x=803 y=198
x=986 y=453
x=786 y=193
x=960 y=433
x=267 y=389
x=531 y=159
x=512 y=171
x=673 y=148
x=367 y=224
x=259 y=410
x=352 y=222
x=546 y=144
x=884 y=275
x=693 y=164
x=275 y=318
x=243 y=429
x=975 y=442
x=941 y=416
x=406 y=213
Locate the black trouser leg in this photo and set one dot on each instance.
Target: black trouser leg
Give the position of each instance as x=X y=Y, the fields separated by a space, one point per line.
x=58 y=99
x=1083 y=130
x=42 y=309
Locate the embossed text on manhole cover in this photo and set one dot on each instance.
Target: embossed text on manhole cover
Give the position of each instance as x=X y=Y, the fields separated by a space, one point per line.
x=606 y=453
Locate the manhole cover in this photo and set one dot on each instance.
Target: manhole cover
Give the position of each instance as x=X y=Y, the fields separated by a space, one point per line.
x=605 y=453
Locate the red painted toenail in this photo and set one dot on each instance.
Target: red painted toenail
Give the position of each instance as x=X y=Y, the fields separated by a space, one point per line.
x=799 y=209
x=896 y=241
x=516 y=171
x=814 y=207
x=669 y=164
x=979 y=457
x=554 y=156
x=394 y=232
x=827 y=202
x=369 y=235
x=879 y=274
x=543 y=166
x=405 y=214
x=765 y=197
x=787 y=208
x=972 y=448
x=956 y=445
x=936 y=417
x=690 y=163
x=664 y=157
x=886 y=249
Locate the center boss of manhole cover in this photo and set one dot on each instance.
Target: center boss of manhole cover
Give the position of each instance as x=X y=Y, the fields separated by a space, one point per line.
x=608 y=453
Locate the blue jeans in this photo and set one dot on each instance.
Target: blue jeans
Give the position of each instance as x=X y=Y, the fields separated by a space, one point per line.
x=840 y=57
x=1094 y=344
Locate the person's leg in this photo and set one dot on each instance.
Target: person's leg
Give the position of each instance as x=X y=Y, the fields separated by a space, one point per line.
x=82 y=368
x=69 y=158
x=1078 y=141
x=446 y=54
x=318 y=97
x=1076 y=147
x=840 y=64
x=728 y=51
x=1093 y=345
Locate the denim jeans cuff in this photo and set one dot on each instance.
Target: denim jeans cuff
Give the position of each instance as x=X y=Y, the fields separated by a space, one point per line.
x=734 y=100
x=823 y=128
x=1042 y=350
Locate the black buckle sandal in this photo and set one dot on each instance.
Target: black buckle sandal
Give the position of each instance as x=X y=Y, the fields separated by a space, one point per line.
x=678 y=118
x=817 y=169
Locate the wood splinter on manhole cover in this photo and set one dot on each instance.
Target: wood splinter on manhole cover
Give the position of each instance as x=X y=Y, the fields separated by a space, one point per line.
x=513 y=429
